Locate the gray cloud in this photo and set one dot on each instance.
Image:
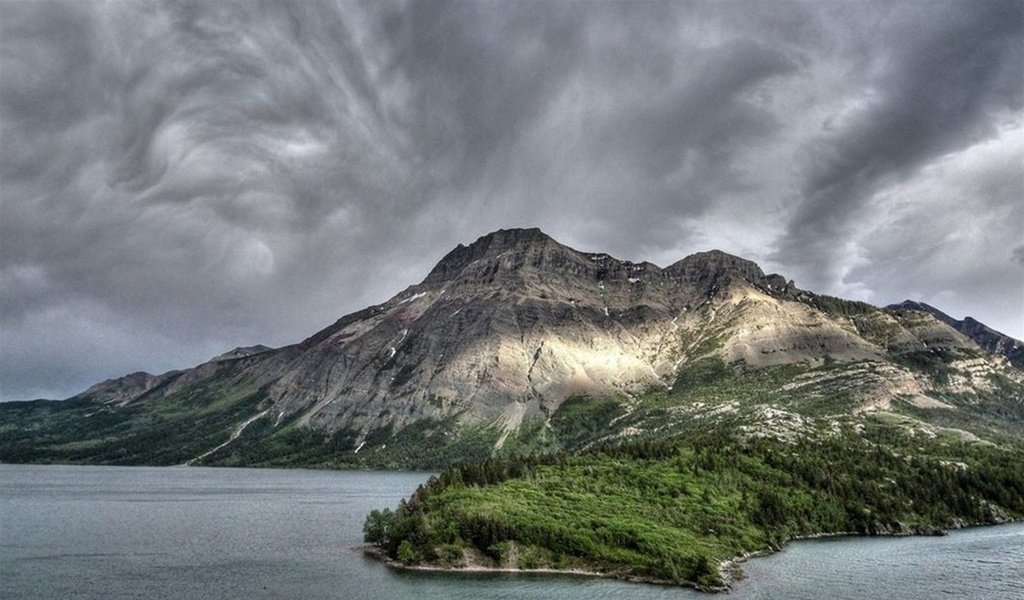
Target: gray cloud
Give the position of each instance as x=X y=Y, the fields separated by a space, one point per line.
x=182 y=177
x=949 y=72
x=953 y=250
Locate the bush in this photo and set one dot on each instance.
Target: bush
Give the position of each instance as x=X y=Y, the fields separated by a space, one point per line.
x=407 y=554
x=449 y=555
x=377 y=527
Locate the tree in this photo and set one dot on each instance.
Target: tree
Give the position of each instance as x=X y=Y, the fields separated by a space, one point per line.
x=377 y=527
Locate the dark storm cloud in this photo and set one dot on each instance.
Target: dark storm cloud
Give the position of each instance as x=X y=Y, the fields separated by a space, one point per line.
x=173 y=166
x=950 y=251
x=577 y=110
x=948 y=73
x=182 y=177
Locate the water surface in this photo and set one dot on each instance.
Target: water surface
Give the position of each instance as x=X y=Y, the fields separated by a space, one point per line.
x=198 y=533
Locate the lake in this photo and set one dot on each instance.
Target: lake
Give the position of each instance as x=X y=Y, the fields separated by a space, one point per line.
x=199 y=533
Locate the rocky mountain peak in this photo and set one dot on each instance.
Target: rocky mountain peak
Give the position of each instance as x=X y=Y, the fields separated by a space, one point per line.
x=492 y=245
x=714 y=267
x=922 y=307
x=524 y=260
x=505 y=239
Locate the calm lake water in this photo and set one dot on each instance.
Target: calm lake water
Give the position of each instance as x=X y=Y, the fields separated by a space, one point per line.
x=198 y=533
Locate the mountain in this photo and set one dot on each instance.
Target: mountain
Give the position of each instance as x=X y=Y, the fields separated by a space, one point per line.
x=983 y=335
x=517 y=344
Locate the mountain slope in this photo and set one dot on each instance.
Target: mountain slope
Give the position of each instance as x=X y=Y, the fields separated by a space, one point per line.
x=983 y=335
x=517 y=344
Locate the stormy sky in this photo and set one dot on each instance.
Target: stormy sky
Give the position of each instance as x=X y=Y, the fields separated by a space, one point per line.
x=180 y=178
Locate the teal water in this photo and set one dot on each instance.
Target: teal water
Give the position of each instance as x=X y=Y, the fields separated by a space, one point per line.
x=198 y=533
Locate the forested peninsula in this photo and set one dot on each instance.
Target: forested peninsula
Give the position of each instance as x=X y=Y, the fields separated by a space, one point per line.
x=681 y=511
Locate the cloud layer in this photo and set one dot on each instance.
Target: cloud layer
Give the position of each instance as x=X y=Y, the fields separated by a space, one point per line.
x=179 y=178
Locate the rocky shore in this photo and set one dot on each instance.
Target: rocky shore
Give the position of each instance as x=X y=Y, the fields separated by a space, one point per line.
x=473 y=566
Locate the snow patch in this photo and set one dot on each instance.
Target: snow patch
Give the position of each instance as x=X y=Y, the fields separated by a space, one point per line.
x=234 y=436
x=413 y=297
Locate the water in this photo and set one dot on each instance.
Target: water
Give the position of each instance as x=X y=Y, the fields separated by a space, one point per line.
x=196 y=533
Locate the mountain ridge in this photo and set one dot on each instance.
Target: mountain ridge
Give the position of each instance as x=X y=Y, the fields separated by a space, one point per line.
x=492 y=348
x=994 y=341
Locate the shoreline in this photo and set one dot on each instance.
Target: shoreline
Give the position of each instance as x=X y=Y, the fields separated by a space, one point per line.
x=731 y=572
x=377 y=554
x=729 y=569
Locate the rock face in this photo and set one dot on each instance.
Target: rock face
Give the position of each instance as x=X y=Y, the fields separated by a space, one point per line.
x=505 y=330
x=983 y=335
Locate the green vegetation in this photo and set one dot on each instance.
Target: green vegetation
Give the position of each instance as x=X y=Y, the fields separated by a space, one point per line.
x=581 y=419
x=710 y=382
x=838 y=307
x=932 y=362
x=156 y=429
x=672 y=510
x=424 y=444
x=878 y=327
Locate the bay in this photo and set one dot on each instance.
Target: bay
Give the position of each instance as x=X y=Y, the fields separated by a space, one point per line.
x=191 y=533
